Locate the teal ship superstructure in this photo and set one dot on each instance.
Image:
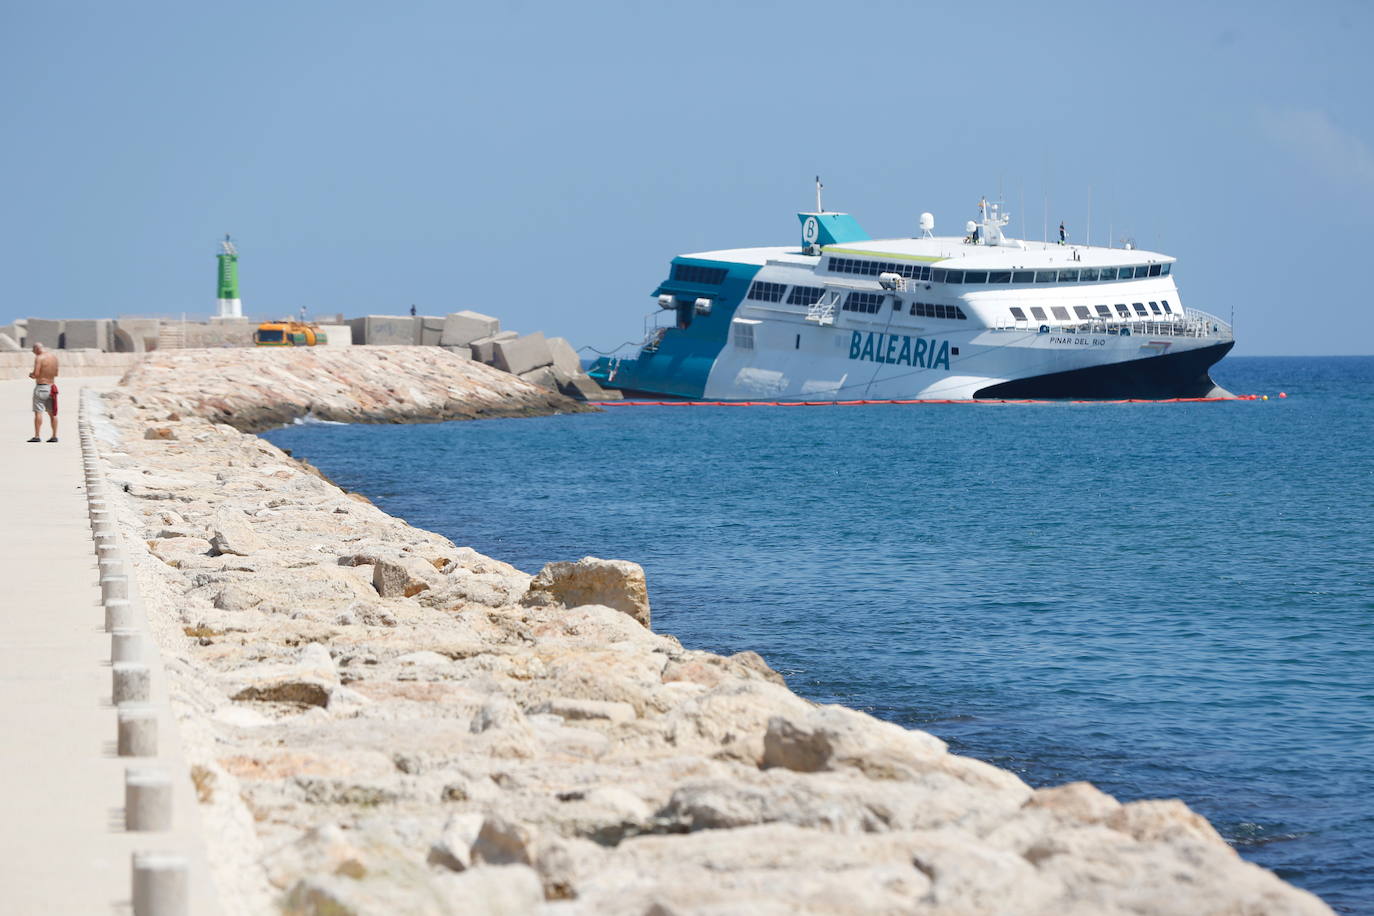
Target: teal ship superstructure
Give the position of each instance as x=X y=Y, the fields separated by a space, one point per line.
x=843 y=316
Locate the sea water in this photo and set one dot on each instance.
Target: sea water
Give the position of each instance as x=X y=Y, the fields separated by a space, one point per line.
x=1168 y=600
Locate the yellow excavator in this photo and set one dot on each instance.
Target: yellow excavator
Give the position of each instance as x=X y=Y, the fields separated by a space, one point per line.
x=289 y=334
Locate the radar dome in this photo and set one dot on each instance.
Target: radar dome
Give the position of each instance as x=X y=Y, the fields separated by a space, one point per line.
x=970 y=226
x=927 y=222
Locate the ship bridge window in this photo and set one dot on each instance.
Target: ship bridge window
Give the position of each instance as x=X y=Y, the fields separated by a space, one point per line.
x=695 y=273
x=1154 y=270
x=999 y=276
x=805 y=295
x=1154 y=307
x=865 y=268
x=1038 y=313
x=863 y=302
x=1060 y=313
x=1088 y=274
x=932 y=310
x=976 y=276
x=954 y=276
x=1068 y=276
x=937 y=275
x=1140 y=308
x=767 y=292
x=1023 y=276
x=1082 y=312
x=1164 y=269
x=1142 y=270
x=1122 y=310
x=1165 y=303
x=1104 y=312
x=1045 y=276
x=1107 y=273
x=1018 y=314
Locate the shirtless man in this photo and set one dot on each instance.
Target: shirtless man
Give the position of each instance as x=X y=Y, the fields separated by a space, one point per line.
x=44 y=399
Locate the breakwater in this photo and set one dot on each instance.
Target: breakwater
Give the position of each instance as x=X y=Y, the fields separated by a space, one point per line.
x=379 y=720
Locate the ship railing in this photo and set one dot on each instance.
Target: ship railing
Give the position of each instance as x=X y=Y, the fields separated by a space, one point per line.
x=1200 y=325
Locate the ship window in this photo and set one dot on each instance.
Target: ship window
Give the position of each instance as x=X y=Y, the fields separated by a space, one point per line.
x=1154 y=307
x=954 y=276
x=1045 y=276
x=767 y=292
x=1104 y=312
x=863 y=302
x=805 y=295
x=1122 y=310
x=1068 y=276
x=1164 y=272
x=959 y=313
x=1088 y=274
x=1023 y=276
x=1107 y=273
x=695 y=273
x=1154 y=270
x=999 y=276
x=925 y=273
x=1142 y=270
x=1082 y=312
x=937 y=275
x=896 y=304
x=1139 y=308
x=837 y=265
x=1165 y=303
x=744 y=335
x=1018 y=314
x=976 y=276
x=1038 y=313
x=1060 y=313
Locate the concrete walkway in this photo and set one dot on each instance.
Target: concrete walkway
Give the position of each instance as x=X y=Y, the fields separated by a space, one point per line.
x=63 y=844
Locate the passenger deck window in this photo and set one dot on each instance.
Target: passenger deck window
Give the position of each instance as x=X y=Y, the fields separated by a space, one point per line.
x=1068 y=276
x=767 y=292
x=1154 y=307
x=1060 y=313
x=999 y=276
x=1018 y=314
x=805 y=295
x=1088 y=274
x=1045 y=276
x=1023 y=276
x=1165 y=303
x=1082 y=312
x=1038 y=313
x=1103 y=312
x=1139 y=308
x=1122 y=310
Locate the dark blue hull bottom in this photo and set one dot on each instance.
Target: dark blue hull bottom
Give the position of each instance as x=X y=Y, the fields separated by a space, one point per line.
x=1173 y=375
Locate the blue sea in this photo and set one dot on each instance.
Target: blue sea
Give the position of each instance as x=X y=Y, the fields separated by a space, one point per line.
x=1168 y=600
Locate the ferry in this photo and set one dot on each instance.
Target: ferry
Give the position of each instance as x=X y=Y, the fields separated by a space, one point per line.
x=843 y=316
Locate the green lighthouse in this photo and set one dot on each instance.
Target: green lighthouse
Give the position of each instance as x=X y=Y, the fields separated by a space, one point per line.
x=230 y=306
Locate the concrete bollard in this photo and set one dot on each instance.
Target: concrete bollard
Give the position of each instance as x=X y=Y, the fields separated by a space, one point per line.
x=110 y=565
x=107 y=550
x=126 y=645
x=104 y=526
x=104 y=539
x=137 y=731
x=147 y=798
x=131 y=683
x=112 y=587
x=96 y=504
x=119 y=615
x=161 y=884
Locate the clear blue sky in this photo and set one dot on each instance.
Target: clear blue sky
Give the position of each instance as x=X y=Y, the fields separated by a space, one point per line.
x=543 y=161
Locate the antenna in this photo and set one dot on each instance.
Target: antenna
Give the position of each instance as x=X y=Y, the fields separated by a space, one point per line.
x=1090 y=216
x=819 y=208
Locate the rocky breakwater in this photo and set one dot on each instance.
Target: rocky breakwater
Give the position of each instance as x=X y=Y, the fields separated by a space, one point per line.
x=257 y=389
x=381 y=721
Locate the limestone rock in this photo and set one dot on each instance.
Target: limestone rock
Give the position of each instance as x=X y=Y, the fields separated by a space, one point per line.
x=502 y=842
x=574 y=709
x=617 y=584
x=403 y=578
x=233 y=534
x=159 y=432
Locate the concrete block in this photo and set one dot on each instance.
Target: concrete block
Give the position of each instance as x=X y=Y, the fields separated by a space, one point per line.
x=463 y=352
x=86 y=334
x=46 y=332
x=462 y=328
x=430 y=329
x=544 y=377
x=564 y=356
x=384 y=330
x=9 y=343
x=339 y=335
x=584 y=388
x=483 y=350
x=135 y=335
x=521 y=354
